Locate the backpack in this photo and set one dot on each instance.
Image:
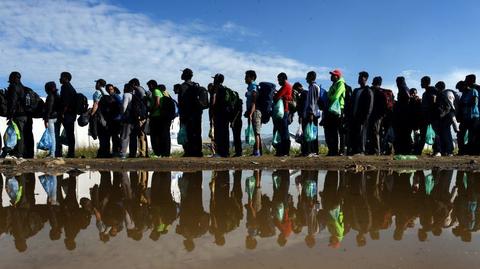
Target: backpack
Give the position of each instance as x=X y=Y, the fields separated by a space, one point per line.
x=168 y=108
x=3 y=103
x=322 y=99
x=389 y=100
x=138 y=108
x=33 y=104
x=231 y=102
x=109 y=107
x=81 y=104
x=444 y=106
x=265 y=100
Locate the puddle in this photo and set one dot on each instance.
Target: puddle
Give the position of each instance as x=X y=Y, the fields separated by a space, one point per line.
x=240 y=219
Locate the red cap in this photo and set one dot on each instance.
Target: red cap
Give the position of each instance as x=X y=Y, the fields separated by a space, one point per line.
x=337 y=73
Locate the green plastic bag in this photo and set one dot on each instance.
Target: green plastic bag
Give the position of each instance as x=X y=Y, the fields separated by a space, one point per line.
x=429 y=184
x=465 y=138
x=276 y=139
x=311 y=132
x=182 y=135
x=249 y=135
x=335 y=108
x=250 y=184
x=278 y=110
x=430 y=135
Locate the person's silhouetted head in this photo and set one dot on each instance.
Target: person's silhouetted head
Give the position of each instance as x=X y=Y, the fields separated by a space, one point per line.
x=361 y=240
x=104 y=237
x=177 y=88
x=152 y=85
x=187 y=74
x=70 y=244
x=282 y=78
x=55 y=234
x=155 y=235
x=425 y=82
x=335 y=75
x=461 y=86
x=440 y=86
x=470 y=80
x=311 y=77
x=100 y=83
x=250 y=242
x=334 y=242
x=398 y=234
x=14 y=77
x=162 y=87
x=50 y=87
x=218 y=79
x=134 y=82
x=189 y=244
x=437 y=231
x=400 y=81
x=362 y=78
x=110 y=89
x=374 y=235
x=413 y=92
x=65 y=78
x=466 y=236
x=127 y=88
x=310 y=241
x=21 y=245
x=250 y=76
x=297 y=86
x=219 y=239
x=281 y=240
x=422 y=235
x=377 y=81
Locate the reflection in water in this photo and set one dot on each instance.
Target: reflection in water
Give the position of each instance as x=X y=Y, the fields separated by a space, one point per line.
x=334 y=203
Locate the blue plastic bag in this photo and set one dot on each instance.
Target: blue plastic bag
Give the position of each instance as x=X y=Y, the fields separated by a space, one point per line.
x=10 y=137
x=46 y=141
x=430 y=135
x=249 y=135
x=276 y=138
x=311 y=132
x=182 y=135
x=278 y=110
x=335 y=108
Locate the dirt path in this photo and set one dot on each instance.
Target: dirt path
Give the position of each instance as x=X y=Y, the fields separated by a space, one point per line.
x=244 y=163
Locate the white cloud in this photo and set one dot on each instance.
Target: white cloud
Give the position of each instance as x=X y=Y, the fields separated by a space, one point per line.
x=93 y=39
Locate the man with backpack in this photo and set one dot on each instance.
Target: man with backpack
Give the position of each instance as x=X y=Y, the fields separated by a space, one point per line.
x=138 y=140
x=102 y=131
x=236 y=125
x=68 y=114
x=160 y=119
x=379 y=112
x=360 y=110
x=469 y=115
x=129 y=119
x=253 y=114
x=402 y=123
x=429 y=109
x=16 y=112
x=310 y=113
x=281 y=124
x=192 y=100
x=221 y=107
x=333 y=115
x=446 y=109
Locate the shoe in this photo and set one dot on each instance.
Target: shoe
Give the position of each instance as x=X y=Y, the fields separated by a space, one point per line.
x=438 y=154
x=256 y=154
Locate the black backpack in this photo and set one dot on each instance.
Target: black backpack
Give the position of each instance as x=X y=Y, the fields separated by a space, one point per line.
x=138 y=108
x=109 y=107
x=231 y=102
x=168 y=108
x=203 y=100
x=264 y=102
x=3 y=103
x=81 y=104
x=33 y=104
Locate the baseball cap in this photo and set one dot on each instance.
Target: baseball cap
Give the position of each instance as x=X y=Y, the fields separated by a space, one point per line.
x=218 y=78
x=336 y=72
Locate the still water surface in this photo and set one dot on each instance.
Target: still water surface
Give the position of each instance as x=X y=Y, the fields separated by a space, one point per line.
x=240 y=219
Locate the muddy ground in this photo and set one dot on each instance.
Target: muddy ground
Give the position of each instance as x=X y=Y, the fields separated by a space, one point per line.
x=243 y=163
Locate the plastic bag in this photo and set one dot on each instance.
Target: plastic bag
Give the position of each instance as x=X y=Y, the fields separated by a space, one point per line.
x=299 y=135
x=311 y=132
x=182 y=135
x=465 y=138
x=63 y=138
x=46 y=141
x=278 y=110
x=84 y=119
x=11 y=136
x=430 y=135
x=250 y=184
x=249 y=135
x=335 y=108
x=429 y=184
x=276 y=138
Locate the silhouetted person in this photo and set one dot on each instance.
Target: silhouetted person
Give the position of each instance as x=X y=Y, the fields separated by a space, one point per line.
x=68 y=113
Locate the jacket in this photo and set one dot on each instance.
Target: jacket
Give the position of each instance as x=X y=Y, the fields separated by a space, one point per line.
x=379 y=104
x=68 y=98
x=15 y=98
x=52 y=106
x=362 y=104
x=285 y=93
x=337 y=92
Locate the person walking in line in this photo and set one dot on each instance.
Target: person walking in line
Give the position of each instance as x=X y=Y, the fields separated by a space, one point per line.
x=52 y=108
x=281 y=125
x=138 y=141
x=401 y=120
x=333 y=117
x=361 y=109
x=16 y=112
x=220 y=117
x=429 y=111
x=253 y=115
x=68 y=113
x=379 y=112
x=159 y=123
x=311 y=112
x=127 y=119
x=103 y=133
x=469 y=115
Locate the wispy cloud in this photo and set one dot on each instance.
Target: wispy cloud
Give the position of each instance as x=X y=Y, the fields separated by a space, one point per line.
x=93 y=39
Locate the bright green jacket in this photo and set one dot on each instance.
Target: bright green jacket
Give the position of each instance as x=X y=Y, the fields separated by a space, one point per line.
x=337 y=92
x=335 y=223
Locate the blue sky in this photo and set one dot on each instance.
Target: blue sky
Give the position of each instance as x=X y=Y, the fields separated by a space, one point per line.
x=155 y=39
